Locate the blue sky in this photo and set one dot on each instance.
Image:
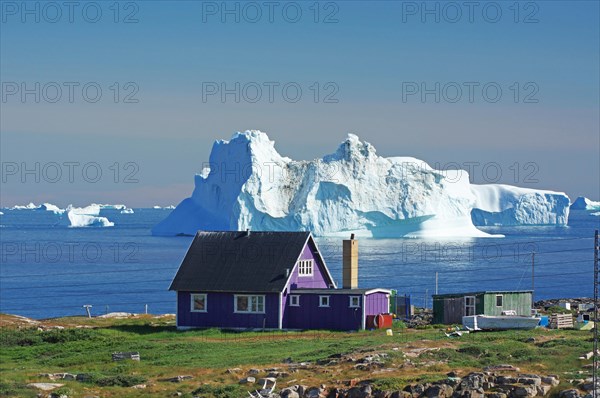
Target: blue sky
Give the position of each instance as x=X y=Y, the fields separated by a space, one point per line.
x=366 y=58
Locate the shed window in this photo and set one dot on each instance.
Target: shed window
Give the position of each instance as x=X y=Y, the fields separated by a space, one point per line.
x=249 y=304
x=469 y=305
x=499 y=300
x=198 y=303
x=354 y=301
x=323 y=301
x=294 y=300
x=305 y=267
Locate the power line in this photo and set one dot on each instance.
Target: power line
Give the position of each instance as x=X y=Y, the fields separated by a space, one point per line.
x=174 y=267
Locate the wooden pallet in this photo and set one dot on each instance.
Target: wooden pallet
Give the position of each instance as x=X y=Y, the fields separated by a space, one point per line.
x=561 y=321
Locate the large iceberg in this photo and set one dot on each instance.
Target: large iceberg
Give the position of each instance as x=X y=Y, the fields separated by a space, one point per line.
x=247 y=184
x=583 y=203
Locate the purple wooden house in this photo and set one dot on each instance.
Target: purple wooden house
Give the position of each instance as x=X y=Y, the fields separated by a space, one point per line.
x=271 y=280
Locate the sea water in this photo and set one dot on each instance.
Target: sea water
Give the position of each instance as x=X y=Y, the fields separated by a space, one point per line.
x=48 y=269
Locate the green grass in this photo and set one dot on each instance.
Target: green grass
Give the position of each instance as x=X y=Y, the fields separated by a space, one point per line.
x=206 y=354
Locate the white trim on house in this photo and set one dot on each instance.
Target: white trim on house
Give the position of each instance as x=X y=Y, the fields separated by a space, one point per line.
x=320 y=257
x=192 y=295
x=371 y=291
x=364 y=313
x=235 y=309
x=291 y=297
x=321 y=302
x=354 y=305
x=280 y=311
x=310 y=237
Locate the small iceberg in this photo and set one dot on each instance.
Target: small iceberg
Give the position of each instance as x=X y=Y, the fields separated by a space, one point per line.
x=127 y=211
x=110 y=207
x=30 y=206
x=583 y=203
x=50 y=207
x=43 y=207
x=87 y=217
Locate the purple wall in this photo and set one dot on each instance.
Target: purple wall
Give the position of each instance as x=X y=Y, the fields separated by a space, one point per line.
x=338 y=316
x=377 y=303
x=220 y=312
x=317 y=280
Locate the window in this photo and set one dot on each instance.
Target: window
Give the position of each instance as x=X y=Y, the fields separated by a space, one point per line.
x=249 y=304
x=354 y=301
x=469 y=305
x=198 y=303
x=499 y=300
x=305 y=267
x=323 y=301
x=294 y=300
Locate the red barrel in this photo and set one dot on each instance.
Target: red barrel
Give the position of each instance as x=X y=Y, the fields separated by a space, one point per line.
x=380 y=321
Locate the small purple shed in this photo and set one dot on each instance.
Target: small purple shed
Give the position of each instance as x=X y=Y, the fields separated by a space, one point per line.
x=272 y=280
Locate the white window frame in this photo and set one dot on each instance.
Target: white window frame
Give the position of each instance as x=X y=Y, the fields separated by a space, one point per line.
x=294 y=300
x=306 y=267
x=354 y=305
x=321 y=301
x=501 y=299
x=192 y=299
x=249 y=296
x=467 y=306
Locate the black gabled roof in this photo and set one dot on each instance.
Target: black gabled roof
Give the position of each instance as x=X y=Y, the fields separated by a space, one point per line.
x=239 y=261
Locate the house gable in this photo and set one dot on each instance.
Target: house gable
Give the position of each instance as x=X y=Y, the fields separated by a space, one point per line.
x=319 y=278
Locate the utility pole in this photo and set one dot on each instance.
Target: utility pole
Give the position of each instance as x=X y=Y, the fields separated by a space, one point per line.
x=436 y=282
x=532 y=277
x=595 y=361
x=87 y=309
x=426 y=293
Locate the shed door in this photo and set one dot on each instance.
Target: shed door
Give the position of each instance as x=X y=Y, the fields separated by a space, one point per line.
x=453 y=310
x=469 y=305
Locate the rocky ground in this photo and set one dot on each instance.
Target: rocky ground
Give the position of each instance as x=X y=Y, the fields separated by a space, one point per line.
x=545 y=304
x=493 y=384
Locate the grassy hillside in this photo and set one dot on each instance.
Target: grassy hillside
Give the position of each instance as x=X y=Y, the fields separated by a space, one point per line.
x=85 y=346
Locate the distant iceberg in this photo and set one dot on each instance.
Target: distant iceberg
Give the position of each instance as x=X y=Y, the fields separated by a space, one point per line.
x=170 y=207
x=249 y=185
x=43 y=207
x=30 y=206
x=157 y=207
x=109 y=207
x=583 y=203
x=595 y=214
x=87 y=217
x=127 y=211
x=50 y=207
